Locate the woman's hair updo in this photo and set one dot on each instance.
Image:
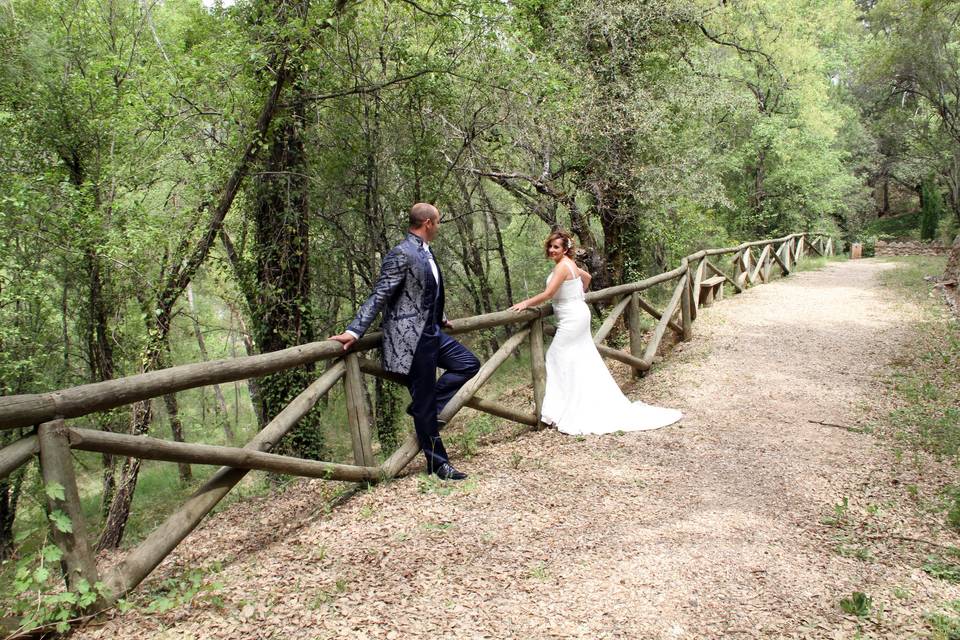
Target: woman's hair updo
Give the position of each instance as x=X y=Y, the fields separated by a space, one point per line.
x=565 y=237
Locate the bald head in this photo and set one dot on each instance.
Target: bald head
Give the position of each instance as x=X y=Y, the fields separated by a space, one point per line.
x=421 y=212
x=424 y=221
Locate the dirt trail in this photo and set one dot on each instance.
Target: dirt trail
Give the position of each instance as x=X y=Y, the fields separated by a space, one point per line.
x=713 y=528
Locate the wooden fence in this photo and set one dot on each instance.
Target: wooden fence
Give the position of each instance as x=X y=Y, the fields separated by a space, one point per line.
x=699 y=281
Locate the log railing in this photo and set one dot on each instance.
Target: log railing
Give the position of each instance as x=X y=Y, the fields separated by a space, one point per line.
x=52 y=439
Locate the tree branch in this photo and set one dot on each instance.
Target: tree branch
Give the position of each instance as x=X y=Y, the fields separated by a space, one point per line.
x=370 y=88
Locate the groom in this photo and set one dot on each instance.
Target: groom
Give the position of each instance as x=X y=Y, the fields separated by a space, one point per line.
x=410 y=293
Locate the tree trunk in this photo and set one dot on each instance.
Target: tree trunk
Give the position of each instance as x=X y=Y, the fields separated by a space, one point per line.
x=472 y=259
x=65 y=323
x=952 y=178
x=100 y=356
x=886 y=198
x=220 y=404
x=176 y=430
x=119 y=511
x=614 y=219
x=494 y=223
x=10 y=491
x=282 y=307
x=253 y=387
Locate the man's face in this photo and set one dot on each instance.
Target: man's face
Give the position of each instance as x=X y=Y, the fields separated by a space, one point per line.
x=432 y=226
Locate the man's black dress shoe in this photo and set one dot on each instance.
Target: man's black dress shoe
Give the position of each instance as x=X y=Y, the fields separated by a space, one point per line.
x=446 y=471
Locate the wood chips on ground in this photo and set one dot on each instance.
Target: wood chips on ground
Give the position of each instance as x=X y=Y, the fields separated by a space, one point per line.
x=722 y=526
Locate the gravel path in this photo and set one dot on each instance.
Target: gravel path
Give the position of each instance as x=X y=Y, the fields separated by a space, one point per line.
x=717 y=527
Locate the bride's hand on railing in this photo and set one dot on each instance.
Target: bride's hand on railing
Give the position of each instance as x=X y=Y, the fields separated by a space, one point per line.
x=521 y=306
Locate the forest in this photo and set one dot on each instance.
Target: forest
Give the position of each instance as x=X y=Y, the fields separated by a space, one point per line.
x=187 y=180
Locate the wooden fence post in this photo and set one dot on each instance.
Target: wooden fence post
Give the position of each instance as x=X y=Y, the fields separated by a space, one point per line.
x=686 y=306
x=63 y=500
x=358 y=413
x=538 y=365
x=741 y=269
x=678 y=293
x=737 y=267
x=635 y=331
x=695 y=286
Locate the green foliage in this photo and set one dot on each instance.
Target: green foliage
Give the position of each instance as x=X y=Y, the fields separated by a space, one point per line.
x=932 y=209
x=306 y=440
x=858 y=604
x=942 y=569
x=909 y=72
x=36 y=595
x=795 y=152
x=902 y=226
x=467 y=439
x=841 y=512
x=61 y=521
x=945 y=625
x=184 y=589
x=389 y=415
x=55 y=491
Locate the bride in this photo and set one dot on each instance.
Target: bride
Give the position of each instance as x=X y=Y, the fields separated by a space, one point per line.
x=582 y=397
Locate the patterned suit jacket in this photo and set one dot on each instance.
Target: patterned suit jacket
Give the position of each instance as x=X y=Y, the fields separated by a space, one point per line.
x=403 y=294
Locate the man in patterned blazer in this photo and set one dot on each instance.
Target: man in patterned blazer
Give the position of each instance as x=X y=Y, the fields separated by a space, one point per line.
x=410 y=293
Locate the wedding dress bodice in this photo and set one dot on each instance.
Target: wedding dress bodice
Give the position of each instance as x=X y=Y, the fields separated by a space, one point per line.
x=570 y=290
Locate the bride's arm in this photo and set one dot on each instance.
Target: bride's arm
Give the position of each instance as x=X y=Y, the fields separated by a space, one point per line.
x=552 y=287
x=586 y=277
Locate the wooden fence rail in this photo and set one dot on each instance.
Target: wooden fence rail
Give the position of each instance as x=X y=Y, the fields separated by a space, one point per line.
x=752 y=264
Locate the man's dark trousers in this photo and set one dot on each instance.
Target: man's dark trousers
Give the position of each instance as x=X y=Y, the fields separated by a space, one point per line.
x=429 y=396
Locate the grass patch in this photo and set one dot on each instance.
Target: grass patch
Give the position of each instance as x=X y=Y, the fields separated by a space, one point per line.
x=942 y=569
x=945 y=625
x=467 y=440
x=926 y=382
x=539 y=571
x=430 y=484
x=857 y=552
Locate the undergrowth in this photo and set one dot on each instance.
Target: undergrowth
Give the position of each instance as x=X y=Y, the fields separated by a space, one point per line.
x=926 y=381
x=924 y=412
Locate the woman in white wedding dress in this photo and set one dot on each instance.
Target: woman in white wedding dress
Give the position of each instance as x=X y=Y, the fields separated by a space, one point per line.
x=581 y=396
